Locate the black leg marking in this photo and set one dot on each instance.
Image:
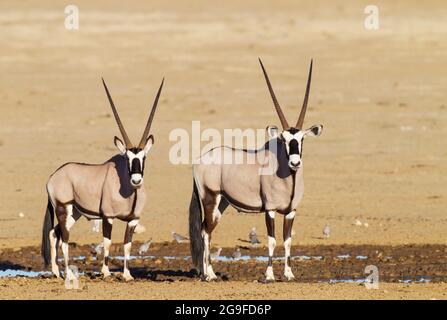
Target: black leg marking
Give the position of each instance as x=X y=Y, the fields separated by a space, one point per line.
x=287 y=228
x=129 y=233
x=270 y=223
x=106 y=228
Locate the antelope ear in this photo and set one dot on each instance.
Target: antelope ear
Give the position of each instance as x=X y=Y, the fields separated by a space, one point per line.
x=120 y=145
x=149 y=143
x=314 y=131
x=272 y=131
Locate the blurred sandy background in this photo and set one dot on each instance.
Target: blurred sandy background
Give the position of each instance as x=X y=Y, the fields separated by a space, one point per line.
x=380 y=95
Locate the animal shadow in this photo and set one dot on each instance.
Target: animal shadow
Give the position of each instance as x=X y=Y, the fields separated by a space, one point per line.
x=5 y=265
x=163 y=274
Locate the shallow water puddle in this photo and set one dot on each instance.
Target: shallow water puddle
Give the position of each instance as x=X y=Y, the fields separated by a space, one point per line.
x=11 y=273
x=418 y=280
x=221 y=258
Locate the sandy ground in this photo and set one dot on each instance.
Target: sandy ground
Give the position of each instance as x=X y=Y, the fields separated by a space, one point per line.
x=55 y=289
x=380 y=95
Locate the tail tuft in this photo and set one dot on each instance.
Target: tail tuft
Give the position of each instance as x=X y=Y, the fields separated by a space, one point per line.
x=48 y=225
x=195 y=230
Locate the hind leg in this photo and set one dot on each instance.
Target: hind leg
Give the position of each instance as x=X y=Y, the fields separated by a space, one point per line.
x=214 y=205
x=67 y=219
x=54 y=237
x=107 y=237
x=270 y=223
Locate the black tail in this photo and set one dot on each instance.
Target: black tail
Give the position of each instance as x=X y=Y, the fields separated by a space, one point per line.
x=48 y=225
x=195 y=230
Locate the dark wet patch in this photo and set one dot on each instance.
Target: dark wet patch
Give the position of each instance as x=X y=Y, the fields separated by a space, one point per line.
x=329 y=263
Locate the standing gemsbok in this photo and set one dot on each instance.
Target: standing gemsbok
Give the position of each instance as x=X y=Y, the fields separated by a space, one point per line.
x=105 y=191
x=268 y=180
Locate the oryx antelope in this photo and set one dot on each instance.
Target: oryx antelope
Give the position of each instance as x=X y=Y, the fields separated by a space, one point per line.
x=272 y=183
x=105 y=191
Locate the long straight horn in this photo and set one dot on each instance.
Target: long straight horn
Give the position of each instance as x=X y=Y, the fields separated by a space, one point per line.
x=283 y=120
x=151 y=117
x=117 y=118
x=300 y=122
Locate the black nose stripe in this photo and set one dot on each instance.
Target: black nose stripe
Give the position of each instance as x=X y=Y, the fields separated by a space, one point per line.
x=136 y=166
x=294 y=147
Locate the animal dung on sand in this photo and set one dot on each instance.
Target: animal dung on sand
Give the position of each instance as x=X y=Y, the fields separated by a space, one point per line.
x=359 y=223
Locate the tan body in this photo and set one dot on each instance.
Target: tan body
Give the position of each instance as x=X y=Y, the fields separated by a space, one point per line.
x=263 y=183
x=101 y=190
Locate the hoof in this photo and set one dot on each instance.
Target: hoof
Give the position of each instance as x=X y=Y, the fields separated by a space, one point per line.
x=127 y=276
x=269 y=276
x=207 y=277
x=289 y=275
x=69 y=275
x=55 y=271
x=105 y=271
x=210 y=278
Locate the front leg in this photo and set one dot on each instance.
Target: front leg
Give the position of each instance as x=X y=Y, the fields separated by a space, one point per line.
x=270 y=223
x=287 y=234
x=127 y=246
x=107 y=238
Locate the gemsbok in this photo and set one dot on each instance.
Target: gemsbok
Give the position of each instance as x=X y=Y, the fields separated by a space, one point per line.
x=269 y=180
x=105 y=191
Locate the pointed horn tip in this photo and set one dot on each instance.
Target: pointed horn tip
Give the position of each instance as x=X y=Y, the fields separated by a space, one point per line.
x=104 y=84
x=162 y=83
